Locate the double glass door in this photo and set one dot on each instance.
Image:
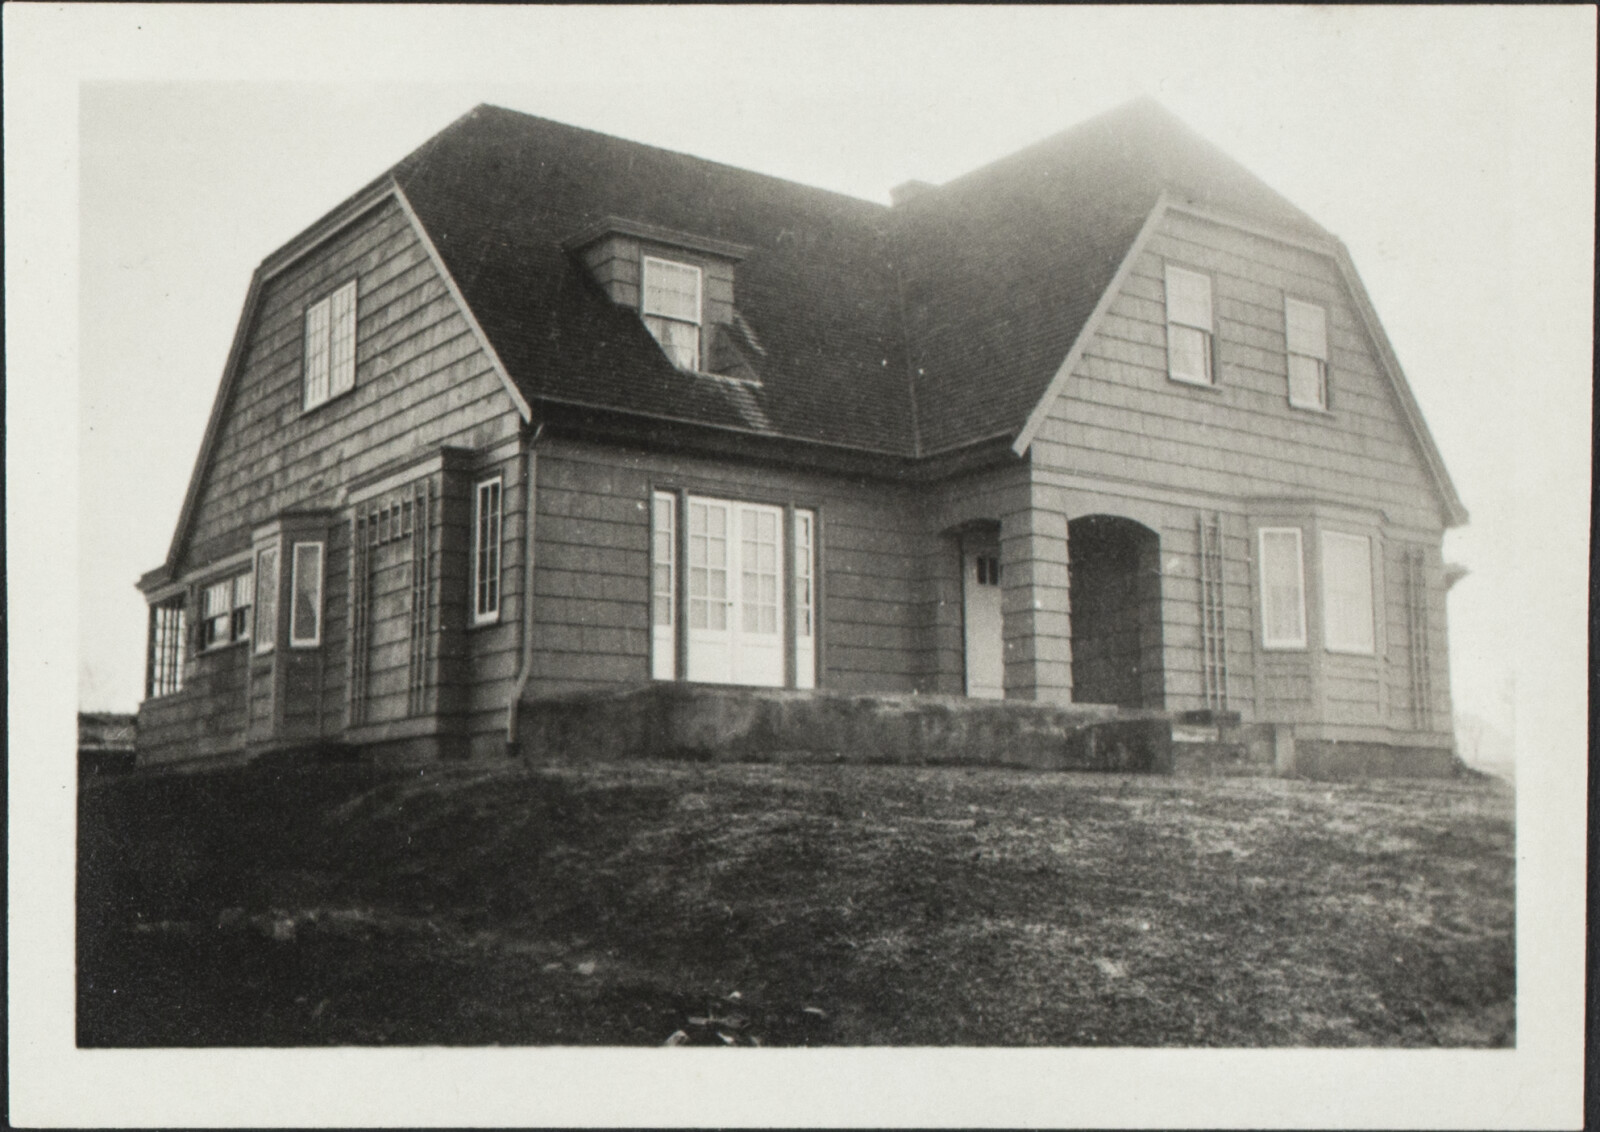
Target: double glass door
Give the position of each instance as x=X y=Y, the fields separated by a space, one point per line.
x=735 y=614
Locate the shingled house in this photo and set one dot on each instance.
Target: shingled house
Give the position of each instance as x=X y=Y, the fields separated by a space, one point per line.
x=541 y=410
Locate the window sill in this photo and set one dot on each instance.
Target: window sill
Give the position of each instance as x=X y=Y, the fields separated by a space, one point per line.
x=1191 y=384
x=486 y=623
x=224 y=646
x=304 y=408
x=1359 y=654
x=1317 y=410
x=1283 y=648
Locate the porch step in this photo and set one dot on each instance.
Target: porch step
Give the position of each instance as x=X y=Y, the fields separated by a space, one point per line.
x=728 y=724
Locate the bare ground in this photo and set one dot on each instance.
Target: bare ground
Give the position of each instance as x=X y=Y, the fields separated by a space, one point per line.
x=791 y=905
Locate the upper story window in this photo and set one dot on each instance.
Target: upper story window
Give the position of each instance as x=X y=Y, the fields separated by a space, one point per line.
x=225 y=611
x=1189 y=327
x=1306 y=330
x=1283 y=589
x=1347 y=593
x=670 y=304
x=331 y=346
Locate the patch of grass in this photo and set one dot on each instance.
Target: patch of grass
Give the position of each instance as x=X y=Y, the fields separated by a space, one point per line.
x=790 y=905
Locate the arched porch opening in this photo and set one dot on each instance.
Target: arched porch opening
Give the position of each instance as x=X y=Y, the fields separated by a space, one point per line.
x=1114 y=579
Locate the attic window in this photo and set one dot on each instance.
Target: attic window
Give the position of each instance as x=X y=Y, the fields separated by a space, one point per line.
x=1189 y=327
x=671 y=309
x=1306 y=330
x=331 y=346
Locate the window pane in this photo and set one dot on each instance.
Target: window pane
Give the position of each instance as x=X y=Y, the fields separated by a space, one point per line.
x=671 y=290
x=1306 y=328
x=342 y=339
x=305 y=626
x=1189 y=298
x=1306 y=388
x=1282 y=589
x=1189 y=354
x=1347 y=592
x=316 y=375
x=663 y=560
x=486 y=552
x=267 y=600
x=680 y=340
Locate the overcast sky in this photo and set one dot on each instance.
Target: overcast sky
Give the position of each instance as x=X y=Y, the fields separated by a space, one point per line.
x=1451 y=149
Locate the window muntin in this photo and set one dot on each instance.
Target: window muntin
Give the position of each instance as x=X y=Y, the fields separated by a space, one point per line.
x=758 y=581
x=1189 y=326
x=486 y=520
x=267 y=599
x=1347 y=612
x=805 y=599
x=708 y=572
x=670 y=305
x=1283 y=596
x=987 y=569
x=330 y=364
x=663 y=585
x=305 y=596
x=165 y=675
x=1306 y=333
x=225 y=611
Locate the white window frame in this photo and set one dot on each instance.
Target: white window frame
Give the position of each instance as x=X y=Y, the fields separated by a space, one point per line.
x=1268 y=641
x=266 y=612
x=804 y=577
x=296 y=582
x=1334 y=638
x=486 y=546
x=330 y=347
x=1308 y=349
x=1205 y=325
x=676 y=317
x=664 y=554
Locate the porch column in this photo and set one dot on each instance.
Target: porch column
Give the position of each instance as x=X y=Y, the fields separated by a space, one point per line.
x=1037 y=613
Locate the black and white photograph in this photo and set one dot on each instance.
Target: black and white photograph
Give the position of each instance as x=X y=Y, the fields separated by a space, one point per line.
x=816 y=566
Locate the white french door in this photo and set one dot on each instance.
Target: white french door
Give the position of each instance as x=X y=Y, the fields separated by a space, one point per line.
x=735 y=599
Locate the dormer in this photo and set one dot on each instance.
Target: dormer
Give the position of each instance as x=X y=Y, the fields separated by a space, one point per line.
x=681 y=285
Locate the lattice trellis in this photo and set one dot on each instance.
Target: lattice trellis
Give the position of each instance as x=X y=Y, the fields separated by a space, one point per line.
x=405 y=518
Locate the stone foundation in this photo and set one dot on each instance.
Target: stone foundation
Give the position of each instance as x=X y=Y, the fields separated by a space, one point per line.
x=714 y=723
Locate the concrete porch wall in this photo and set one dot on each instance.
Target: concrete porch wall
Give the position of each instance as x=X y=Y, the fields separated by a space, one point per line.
x=718 y=723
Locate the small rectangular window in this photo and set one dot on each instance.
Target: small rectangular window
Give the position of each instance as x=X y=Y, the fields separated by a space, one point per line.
x=165 y=674
x=1283 y=597
x=1347 y=593
x=330 y=362
x=486 y=552
x=1189 y=326
x=670 y=305
x=663 y=585
x=266 y=599
x=305 y=597
x=805 y=599
x=1306 y=332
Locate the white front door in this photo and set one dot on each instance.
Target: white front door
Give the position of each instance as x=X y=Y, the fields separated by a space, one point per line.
x=735 y=596
x=980 y=599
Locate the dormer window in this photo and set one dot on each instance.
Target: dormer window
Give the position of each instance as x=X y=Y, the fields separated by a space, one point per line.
x=670 y=304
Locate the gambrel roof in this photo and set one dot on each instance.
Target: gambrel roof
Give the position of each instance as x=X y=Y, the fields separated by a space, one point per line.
x=905 y=332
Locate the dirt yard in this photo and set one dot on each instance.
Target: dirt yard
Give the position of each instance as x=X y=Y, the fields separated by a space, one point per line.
x=645 y=904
